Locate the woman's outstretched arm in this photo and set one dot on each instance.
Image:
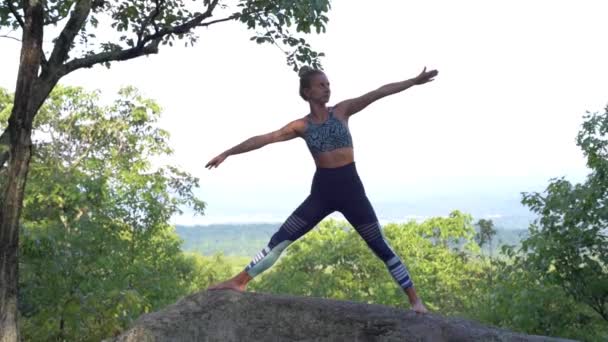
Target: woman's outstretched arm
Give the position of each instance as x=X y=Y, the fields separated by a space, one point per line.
x=352 y=106
x=287 y=132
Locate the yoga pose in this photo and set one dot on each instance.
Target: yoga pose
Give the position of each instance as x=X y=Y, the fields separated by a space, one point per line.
x=336 y=185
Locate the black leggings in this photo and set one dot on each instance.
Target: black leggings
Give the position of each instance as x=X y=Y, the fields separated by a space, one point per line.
x=337 y=189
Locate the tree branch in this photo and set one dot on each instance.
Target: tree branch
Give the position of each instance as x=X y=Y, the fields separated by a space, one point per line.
x=110 y=56
x=15 y=13
x=10 y=37
x=148 y=45
x=150 y=19
x=183 y=28
x=232 y=17
x=66 y=37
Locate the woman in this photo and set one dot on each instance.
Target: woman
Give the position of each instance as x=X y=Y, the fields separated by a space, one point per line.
x=336 y=185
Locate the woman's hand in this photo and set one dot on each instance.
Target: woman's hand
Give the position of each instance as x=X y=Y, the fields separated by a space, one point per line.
x=425 y=76
x=215 y=162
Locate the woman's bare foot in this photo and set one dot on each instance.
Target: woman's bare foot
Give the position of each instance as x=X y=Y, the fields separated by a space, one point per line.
x=415 y=302
x=237 y=283
x=228 y=285
x=418 y=307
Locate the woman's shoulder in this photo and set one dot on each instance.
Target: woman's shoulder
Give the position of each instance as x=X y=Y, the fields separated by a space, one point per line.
x=339 y=111
x=304 y=120
x=300 y=124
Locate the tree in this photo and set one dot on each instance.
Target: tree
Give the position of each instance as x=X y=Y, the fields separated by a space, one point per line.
x=96 y=246
x=484 y=236
x=568 y=244
x=486 y=233
x=521 y=300
x=141 y=27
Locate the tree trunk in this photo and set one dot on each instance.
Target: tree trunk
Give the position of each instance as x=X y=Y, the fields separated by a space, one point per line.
x=20 y=131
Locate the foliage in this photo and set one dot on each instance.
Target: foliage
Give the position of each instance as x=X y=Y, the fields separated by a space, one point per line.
x=486 y=233
x=101 y=31
x=520 y=299
x=568 y=245
x=96 y=247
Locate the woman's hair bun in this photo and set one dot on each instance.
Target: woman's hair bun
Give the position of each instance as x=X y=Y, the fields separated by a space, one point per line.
x=304 y=70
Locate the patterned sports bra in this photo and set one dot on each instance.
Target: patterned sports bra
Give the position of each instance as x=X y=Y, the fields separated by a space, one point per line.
x=327 y=136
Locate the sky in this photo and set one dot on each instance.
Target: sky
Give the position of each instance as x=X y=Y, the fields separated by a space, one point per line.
x=501 y=118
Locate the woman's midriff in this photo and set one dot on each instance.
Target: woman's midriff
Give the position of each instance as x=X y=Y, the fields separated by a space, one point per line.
x=336 y=158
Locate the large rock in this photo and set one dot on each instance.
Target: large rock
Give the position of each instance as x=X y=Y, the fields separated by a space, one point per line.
x=231 y=316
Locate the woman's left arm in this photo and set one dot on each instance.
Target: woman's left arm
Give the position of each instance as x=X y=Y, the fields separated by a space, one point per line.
x=352 y=106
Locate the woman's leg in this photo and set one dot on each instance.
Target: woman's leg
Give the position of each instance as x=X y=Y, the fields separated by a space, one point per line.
x=360 y=214
x=301 y=221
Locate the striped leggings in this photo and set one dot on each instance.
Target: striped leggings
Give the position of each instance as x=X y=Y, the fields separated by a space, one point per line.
x=338 y=189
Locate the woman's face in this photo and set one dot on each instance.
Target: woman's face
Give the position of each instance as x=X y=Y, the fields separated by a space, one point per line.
x=319 y=90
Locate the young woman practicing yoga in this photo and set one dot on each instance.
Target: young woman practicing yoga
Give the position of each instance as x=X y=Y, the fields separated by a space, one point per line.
x=335 y=186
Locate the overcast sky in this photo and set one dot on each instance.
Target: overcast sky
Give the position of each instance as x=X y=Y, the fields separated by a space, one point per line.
x=515 y=79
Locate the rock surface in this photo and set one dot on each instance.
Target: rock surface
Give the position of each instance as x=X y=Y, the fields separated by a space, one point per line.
x=231 y=316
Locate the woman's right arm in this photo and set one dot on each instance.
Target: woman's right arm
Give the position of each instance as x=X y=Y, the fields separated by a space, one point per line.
x=287 y=132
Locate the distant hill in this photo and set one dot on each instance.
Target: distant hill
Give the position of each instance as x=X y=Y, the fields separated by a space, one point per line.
x=229 y=239
x=511 y=222
x=247 y=239
x=510 y=230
